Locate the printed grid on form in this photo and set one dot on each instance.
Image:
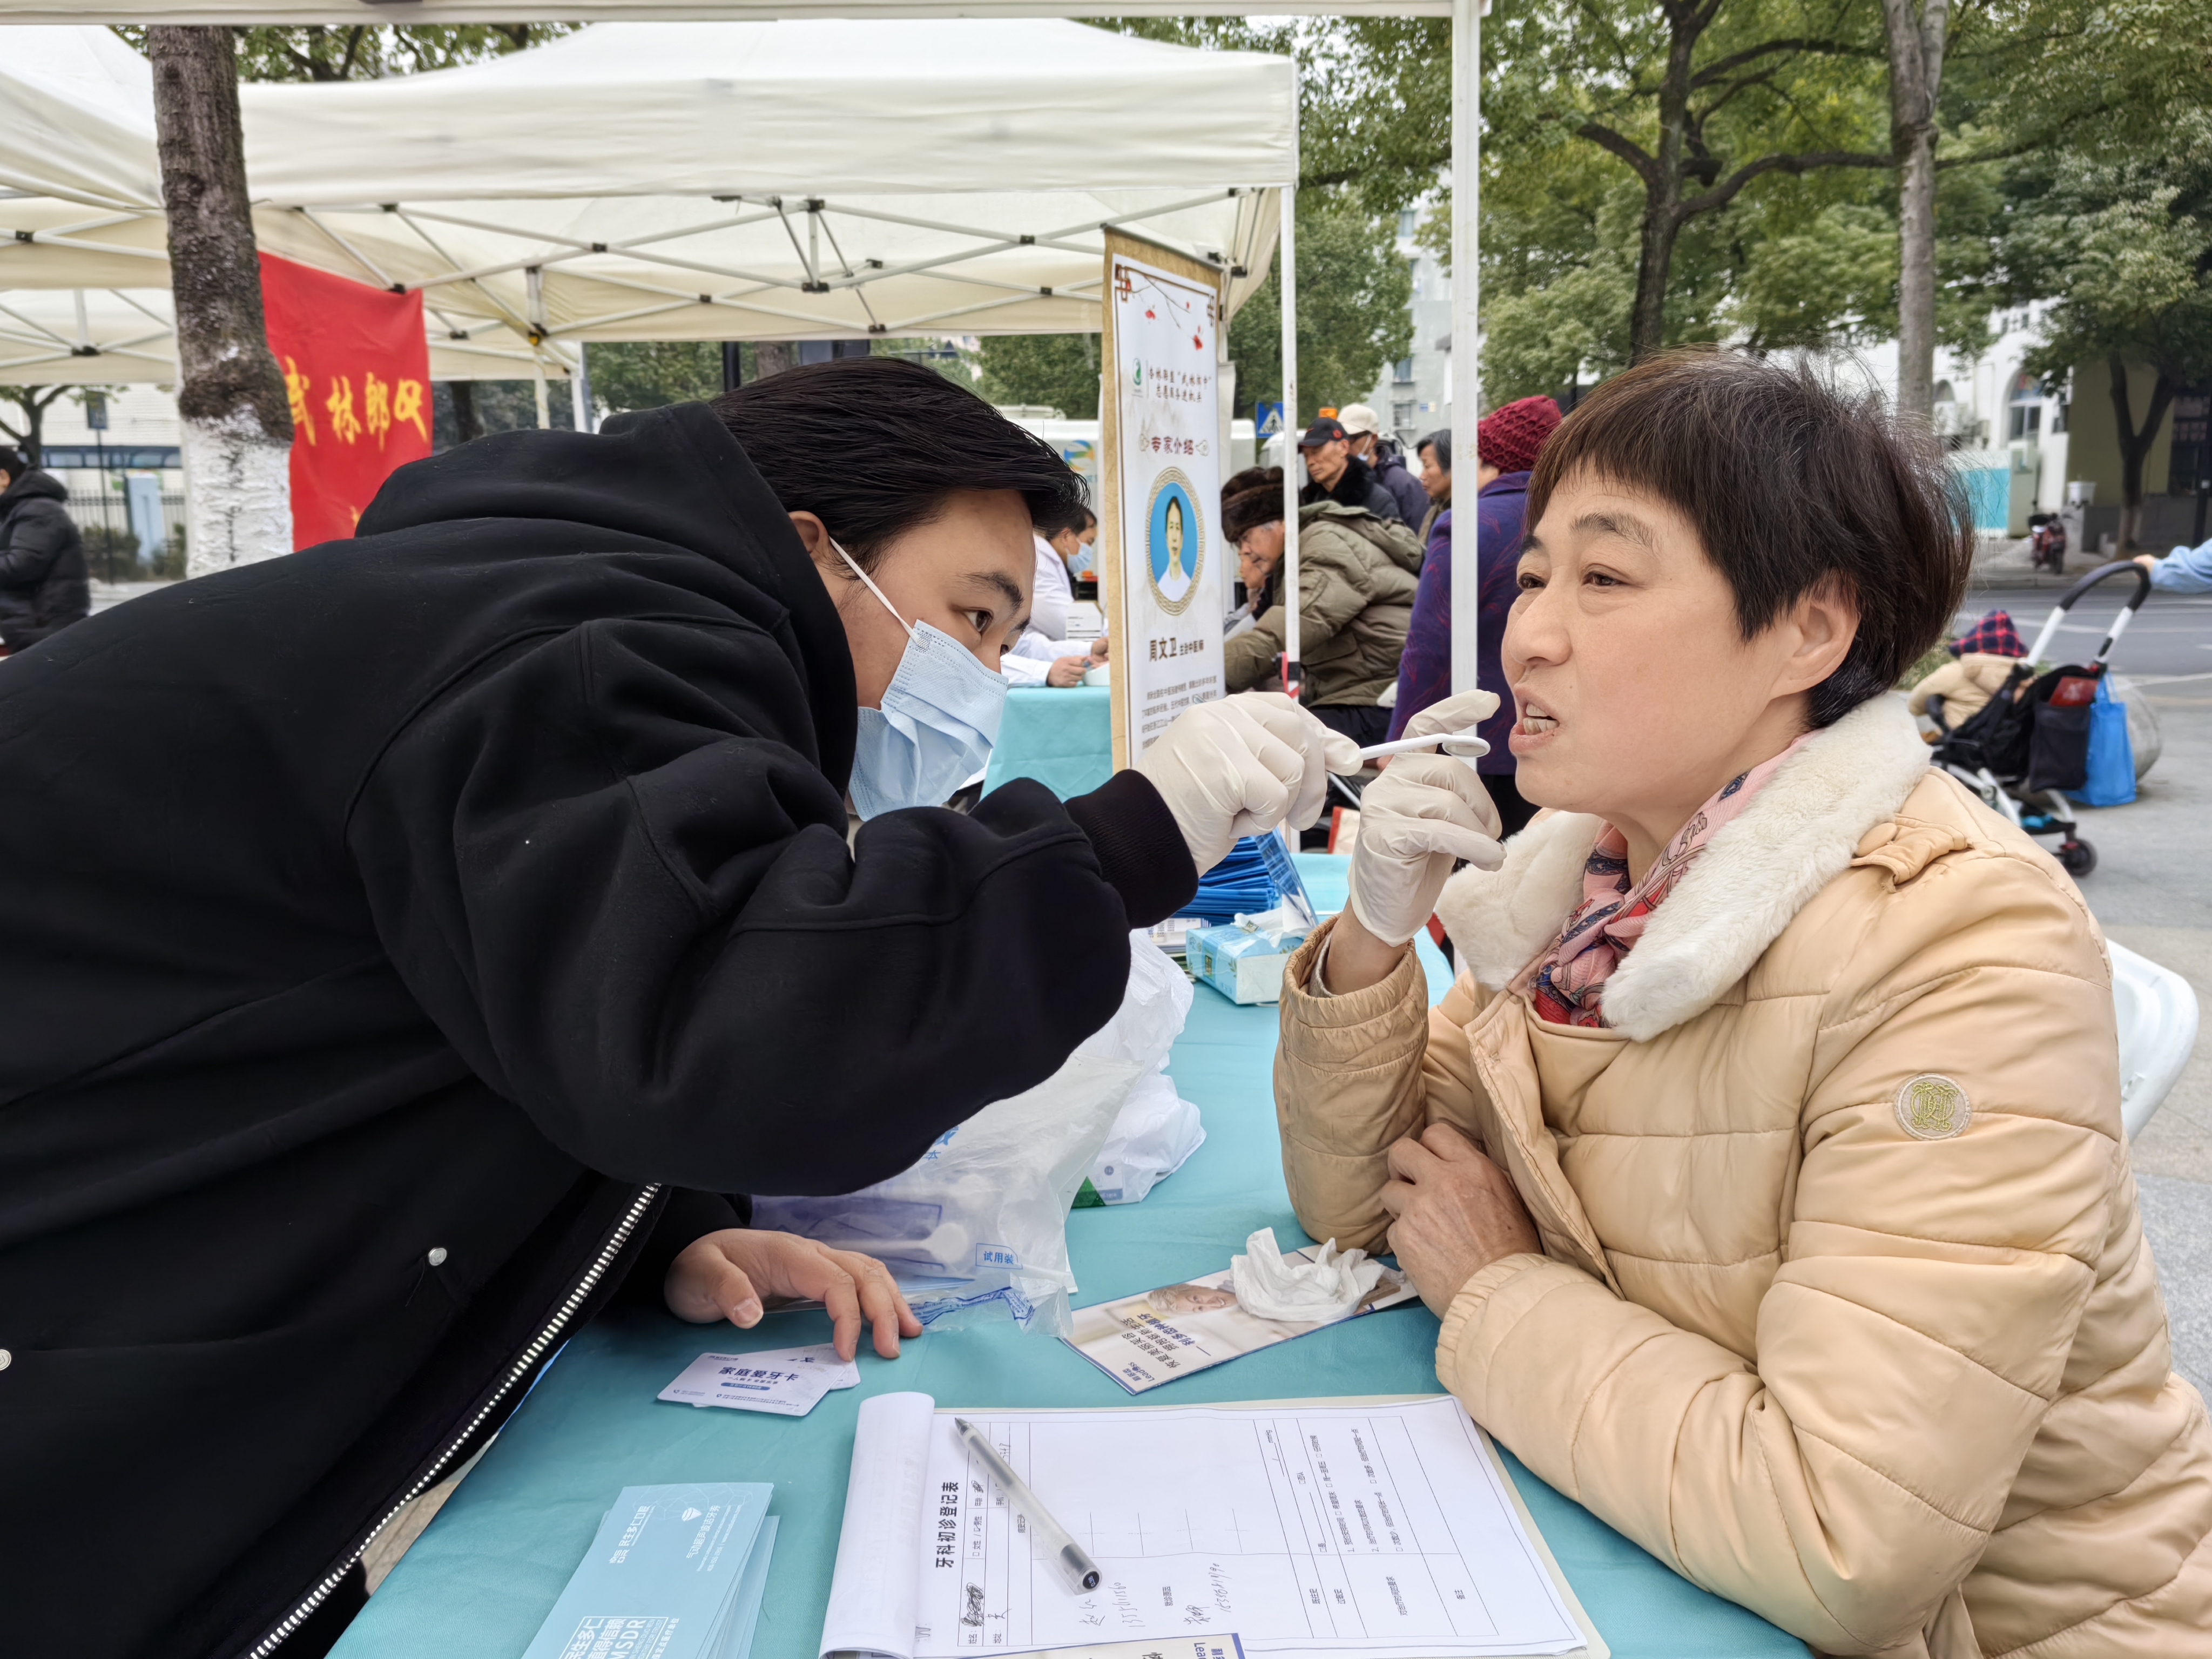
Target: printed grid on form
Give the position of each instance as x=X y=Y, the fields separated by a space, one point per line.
x=1343 y=1530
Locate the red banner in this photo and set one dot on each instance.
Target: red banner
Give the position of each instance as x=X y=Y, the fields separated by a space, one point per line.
x=357 y=366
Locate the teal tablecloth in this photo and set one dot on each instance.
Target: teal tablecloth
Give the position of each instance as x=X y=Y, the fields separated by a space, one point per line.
x=1064 y=738
x=481 y=1579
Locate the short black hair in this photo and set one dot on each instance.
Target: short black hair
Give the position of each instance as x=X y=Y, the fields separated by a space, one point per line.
x=1070 y=515
x=1793 y=486
x=12 y=462
x=874 y=446
x=1440 y=441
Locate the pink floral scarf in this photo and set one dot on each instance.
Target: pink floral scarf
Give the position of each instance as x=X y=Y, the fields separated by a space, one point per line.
x=1564 y=983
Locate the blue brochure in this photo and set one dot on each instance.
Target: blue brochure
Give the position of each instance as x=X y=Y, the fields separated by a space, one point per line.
x=752 y=1590
x=663 y=1579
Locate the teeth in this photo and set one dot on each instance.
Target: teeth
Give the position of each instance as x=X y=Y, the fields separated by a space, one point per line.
x=1537 y=722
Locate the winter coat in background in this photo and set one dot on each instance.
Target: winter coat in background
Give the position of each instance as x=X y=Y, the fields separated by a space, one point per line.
x=1843 y=1308
x=1356 y=574
x=1390 y=471
x=44 y=585
x=1356 y=486
x=1501 y=514
x=1966 y=684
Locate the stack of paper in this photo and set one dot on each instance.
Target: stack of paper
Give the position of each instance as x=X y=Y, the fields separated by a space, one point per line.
x=677 y=1572
x=1367 y=1529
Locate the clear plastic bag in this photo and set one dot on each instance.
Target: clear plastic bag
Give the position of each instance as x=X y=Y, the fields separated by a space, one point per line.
x=1154 y=1132
x=978 y=1229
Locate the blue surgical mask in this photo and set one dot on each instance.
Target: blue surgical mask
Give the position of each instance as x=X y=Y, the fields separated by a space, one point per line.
x=938 y=719
x=1085 y=560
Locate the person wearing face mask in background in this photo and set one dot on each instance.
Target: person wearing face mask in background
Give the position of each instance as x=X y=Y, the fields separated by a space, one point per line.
x=459 y=920
x=1042 y=656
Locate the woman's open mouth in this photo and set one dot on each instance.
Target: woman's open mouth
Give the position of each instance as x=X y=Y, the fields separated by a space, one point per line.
x=1535 y=724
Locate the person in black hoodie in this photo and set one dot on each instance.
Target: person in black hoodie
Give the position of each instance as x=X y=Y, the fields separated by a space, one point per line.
x=44 y=583
x=1333 y=473
x=415 y=942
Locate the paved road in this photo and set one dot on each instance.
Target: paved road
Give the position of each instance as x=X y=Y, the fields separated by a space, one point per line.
x=2152 y=889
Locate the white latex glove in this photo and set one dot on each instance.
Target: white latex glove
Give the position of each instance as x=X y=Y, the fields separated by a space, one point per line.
x=1423 y=813
x=1241 y=766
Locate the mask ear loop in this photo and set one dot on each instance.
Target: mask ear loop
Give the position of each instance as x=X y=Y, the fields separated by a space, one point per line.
x=872 y=589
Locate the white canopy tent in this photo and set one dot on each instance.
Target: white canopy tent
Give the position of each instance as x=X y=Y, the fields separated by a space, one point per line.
x=716 y=181
x=955 y=103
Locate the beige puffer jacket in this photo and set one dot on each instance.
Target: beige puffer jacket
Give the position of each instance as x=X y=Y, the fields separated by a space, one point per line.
x=1845 y=1309
x=1966 y=684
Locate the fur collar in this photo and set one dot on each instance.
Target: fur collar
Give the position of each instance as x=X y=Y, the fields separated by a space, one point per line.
x=1798 y=834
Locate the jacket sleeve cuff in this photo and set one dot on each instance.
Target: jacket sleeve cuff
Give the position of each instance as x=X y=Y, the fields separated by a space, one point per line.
x=1315 y=1019
x=1486 y=1310
x=1140 y=850
x=688 y=1217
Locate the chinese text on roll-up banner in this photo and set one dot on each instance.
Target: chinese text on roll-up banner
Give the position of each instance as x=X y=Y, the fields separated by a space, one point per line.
x=1175 y=580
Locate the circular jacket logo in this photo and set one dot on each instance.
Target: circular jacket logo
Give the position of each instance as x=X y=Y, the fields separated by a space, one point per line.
x=1931 y=1107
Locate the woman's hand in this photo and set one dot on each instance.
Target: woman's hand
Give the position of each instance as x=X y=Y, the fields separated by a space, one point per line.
x=1456 y=1212
x=1066 y=671
x=725 y=1275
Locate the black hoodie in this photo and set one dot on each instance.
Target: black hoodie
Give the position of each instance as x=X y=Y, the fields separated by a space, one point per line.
x=392 y=929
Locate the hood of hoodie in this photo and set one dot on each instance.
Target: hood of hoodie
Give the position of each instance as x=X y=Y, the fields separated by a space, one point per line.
x=673 y=476
x=36 y=482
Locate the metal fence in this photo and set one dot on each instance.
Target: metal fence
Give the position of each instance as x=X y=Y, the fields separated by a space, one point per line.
x=101 y=504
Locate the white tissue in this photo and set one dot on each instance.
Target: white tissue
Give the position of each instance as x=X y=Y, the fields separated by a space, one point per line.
x=1310 y=1292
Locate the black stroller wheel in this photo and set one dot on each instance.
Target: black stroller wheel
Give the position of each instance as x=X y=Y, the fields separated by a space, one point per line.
x=2078 y=857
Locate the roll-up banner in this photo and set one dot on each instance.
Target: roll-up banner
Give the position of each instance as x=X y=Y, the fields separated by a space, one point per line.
x=1166 y=570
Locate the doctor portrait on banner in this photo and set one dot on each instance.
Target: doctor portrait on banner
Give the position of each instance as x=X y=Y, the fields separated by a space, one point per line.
x=1170 y=586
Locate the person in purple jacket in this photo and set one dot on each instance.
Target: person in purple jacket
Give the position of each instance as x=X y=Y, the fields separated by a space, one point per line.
x=1507 y=441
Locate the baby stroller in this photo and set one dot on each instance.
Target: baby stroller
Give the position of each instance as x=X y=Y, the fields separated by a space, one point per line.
x=2030 y=743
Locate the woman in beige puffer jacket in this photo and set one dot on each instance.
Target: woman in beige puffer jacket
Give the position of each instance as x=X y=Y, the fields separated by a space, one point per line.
x=1831 y=1288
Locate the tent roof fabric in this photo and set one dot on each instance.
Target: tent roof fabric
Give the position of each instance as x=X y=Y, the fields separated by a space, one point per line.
x=716 y=181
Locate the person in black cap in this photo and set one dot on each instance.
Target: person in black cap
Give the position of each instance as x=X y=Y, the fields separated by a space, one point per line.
x=1333 y=473
x=44 y=583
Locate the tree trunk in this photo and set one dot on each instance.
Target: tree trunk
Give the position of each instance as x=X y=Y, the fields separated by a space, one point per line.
x=1647 y=321
x=1662 y=189
x=2134 y=443
x=236 y=417
x=1916 y=77
x=467 y=423
x=773 y=357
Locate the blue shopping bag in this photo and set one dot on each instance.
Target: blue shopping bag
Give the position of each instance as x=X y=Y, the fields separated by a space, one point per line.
x=2112 y=780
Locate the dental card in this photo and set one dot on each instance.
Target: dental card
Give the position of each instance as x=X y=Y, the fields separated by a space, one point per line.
x=666 y=1575
x=786 y=1381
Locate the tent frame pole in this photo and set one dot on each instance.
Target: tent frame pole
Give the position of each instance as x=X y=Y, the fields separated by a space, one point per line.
x=1466 y=380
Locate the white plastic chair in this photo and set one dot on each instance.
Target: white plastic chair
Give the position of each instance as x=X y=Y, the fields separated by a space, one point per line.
x=2158 y=1029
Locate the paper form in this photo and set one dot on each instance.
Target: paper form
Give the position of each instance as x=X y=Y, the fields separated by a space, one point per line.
x=1339 y=1529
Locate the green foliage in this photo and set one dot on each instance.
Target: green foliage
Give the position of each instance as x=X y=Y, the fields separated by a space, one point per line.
x=2123 y=245
x=369 y=52
x=1353 y=295
x=650 y=374
x=1375 y=130
x=1057 y=371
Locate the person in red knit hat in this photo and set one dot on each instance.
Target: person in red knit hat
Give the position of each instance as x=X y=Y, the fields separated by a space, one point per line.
x=1507 y=441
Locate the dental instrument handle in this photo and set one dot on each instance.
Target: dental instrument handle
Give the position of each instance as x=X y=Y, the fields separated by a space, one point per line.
x=1072 y=1560
x=1473 y=745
